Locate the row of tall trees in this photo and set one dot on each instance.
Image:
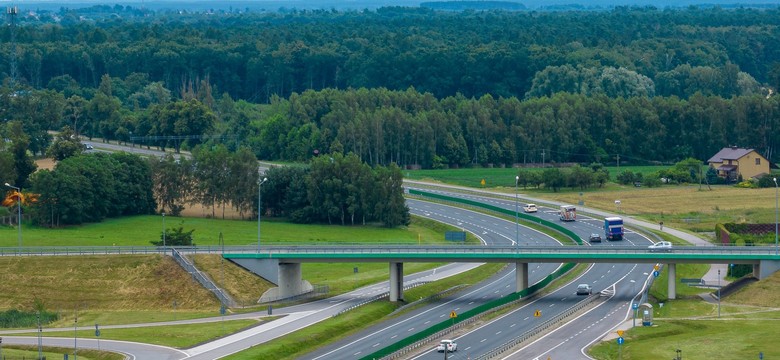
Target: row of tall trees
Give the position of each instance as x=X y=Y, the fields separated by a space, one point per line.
x=337 y=189
x=410 y=128
x=254 y=56
x=333 y=189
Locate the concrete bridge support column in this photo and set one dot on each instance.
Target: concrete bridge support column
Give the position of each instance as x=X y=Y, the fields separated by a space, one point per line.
x=765 y=268
x=396 y=281
x=521 y=276
x=672 y=289
x=290 y=283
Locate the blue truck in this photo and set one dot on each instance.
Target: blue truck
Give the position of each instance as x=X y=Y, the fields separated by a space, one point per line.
x=613 y=228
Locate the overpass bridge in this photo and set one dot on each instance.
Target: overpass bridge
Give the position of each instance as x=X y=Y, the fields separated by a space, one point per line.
x=282 y=264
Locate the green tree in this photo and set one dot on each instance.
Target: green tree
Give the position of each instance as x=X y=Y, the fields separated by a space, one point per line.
x=175 y=237
x=65 y=145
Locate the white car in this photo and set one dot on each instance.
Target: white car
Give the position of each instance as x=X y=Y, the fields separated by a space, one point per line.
x=448 y=345
x=661 y=246
x=530 y=208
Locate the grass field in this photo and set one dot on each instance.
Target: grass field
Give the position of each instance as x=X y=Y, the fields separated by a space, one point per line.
x=140 y=230
x=501 y=177
x=687 y=207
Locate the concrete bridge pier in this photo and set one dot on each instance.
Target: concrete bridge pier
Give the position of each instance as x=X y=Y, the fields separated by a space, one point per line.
x=672 y=278
x=286 y=276
x=521 y=276
x=396 y=281
x=765 y=268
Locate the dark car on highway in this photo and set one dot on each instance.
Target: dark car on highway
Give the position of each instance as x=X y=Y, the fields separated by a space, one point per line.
x=594 y=238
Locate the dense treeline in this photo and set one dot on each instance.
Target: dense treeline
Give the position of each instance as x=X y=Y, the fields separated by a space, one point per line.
x=507 y=54
x=333 y=189
x=412 y=87
x=410 y=128
x=90 y=188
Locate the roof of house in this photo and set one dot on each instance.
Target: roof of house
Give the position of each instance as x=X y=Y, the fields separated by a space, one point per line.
x=729 y=153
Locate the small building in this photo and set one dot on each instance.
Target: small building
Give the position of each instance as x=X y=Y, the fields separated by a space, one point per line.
x=731 y=162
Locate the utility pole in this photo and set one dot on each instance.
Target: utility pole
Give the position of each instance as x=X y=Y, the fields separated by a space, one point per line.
x=12 y=11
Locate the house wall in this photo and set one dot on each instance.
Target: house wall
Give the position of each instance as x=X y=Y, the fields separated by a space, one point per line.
x=748 y=168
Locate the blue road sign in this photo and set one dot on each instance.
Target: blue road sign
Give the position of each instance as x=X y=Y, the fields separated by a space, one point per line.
x=635 y=306
x=621 y=340
x=656 y=273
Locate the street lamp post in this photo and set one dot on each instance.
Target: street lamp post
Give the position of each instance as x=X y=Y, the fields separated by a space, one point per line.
x=259 y=207
x=633 y=295
x=517 y=213
x=163 y=221
x=775 y=180
x=19 y=209
x=718 y=293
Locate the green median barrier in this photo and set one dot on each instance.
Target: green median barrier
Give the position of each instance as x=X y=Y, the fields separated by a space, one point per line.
x=497 y=209
x=468 y=315
x=495 y=304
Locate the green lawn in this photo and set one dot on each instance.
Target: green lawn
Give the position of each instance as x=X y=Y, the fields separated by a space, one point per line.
x=501 y=177
x=178 y=336
x=697 y=339
x=140 y=230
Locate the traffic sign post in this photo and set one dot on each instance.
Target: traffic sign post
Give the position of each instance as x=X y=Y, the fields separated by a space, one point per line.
x=453 y=315
x=538 y=313
x=620 y=342
x=656 y=273
x=97 y=335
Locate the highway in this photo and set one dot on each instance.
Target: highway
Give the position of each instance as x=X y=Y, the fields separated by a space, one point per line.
x=568 y=341
x=492 y=231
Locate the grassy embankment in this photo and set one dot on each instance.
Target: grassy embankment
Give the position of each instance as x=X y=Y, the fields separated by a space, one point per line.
x=748 y=318
x=122 y=289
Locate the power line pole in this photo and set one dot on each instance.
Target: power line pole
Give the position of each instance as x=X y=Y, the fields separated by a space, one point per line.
x=12 y=11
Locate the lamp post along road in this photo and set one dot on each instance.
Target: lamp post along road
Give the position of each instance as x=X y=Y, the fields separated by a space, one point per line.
x=163 y=221
x=259 y=208
x=19 y=211
x=517 y=214
x=775 y=180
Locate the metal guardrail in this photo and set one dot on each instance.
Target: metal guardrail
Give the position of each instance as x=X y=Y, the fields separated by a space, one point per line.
x=204 y=280
x=403 y=249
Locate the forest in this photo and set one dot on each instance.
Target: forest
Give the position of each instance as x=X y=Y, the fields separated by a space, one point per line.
x=410 y=86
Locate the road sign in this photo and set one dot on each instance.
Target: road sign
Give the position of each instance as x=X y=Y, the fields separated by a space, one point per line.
x=760 y=356
x=656 y=267
x=483 y=182
x=635 y=306
x=620 y=333
x=656 y=273
x=537 y=313
x=453 y=314
x=97 y=331
x=621 y=340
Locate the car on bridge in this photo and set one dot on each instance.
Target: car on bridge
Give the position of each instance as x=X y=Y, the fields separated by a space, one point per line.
x=594 y=238
x=584 y=289
x=447 y=345
x=661 y=246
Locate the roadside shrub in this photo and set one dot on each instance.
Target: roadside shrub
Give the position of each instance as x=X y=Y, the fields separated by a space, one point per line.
x=746 y=185
x=22 y=319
